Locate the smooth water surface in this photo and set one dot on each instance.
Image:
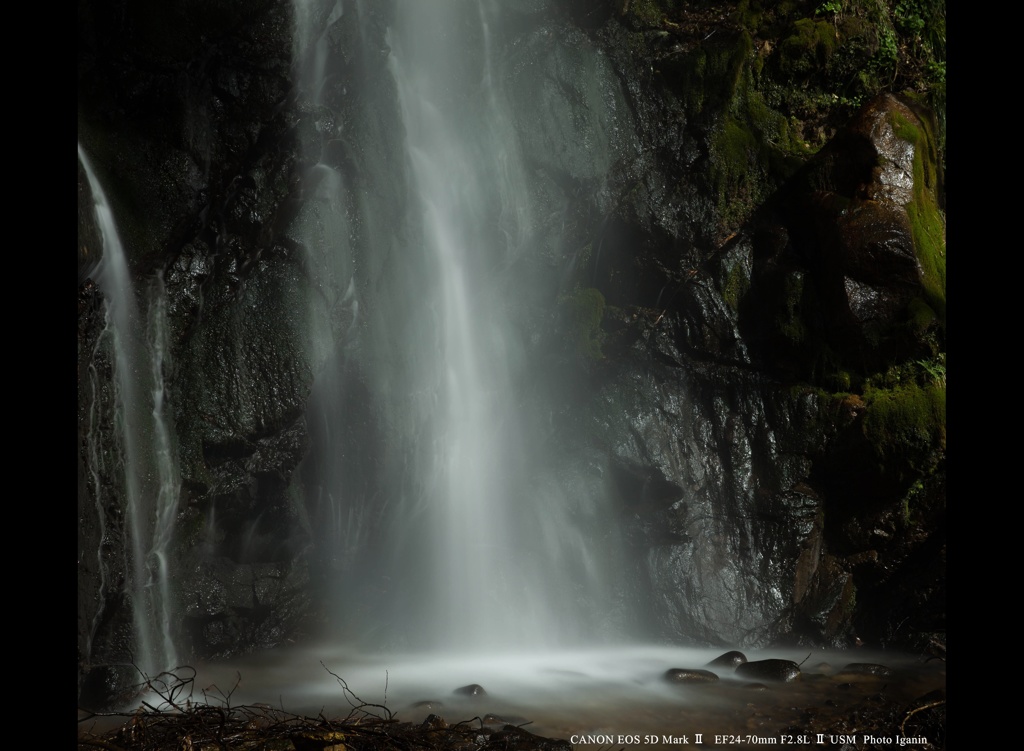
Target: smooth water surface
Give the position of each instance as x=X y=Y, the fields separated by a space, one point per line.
x=582 y=696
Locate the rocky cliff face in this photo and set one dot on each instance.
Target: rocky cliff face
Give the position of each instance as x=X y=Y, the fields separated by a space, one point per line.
x=743 y=340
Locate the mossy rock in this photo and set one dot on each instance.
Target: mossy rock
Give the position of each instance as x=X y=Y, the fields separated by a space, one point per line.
x=737 y=283
x=906 y=424
x=775 y=670
x=872 y=245
x=643 y=14
x=927 y=221
x=808 y=49
x=751 y=145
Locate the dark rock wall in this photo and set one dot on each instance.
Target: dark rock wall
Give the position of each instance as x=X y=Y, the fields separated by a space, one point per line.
x=730 y=313
x=186 y=112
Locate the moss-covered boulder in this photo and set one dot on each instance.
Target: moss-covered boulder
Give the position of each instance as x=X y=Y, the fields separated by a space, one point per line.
x=856 y=276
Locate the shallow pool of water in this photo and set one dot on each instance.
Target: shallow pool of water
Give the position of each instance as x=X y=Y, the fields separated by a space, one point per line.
x=608 y=698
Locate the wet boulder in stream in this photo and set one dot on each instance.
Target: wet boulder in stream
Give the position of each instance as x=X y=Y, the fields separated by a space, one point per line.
x=689 y=675
x=774 y=670
x=730 y=659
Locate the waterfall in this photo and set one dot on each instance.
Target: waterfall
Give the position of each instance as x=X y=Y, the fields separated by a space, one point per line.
x=472 y=542
x=467 y=386
x=141 y=463
x=323 y=229
x=168 y=488
x=479 y=591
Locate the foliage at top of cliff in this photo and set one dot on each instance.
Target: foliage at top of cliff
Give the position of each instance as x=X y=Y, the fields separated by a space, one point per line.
x=818 y=61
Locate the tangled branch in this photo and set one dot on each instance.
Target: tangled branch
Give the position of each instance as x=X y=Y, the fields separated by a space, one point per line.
x=169 y=719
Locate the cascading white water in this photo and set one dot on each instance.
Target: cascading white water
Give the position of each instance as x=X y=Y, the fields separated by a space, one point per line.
x=164 y=514
x=322 y=229
x=463 y=178
x=480 y=548
x=478 y=552
x=145 y=458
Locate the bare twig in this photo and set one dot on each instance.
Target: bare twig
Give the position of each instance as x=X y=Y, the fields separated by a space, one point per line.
x=224 y=698
x=351 y=697
x=929 y=705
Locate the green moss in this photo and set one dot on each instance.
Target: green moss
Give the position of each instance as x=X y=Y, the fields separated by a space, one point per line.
x=737 y=282
x=645 y=13
x=839 y=381
x=906 y=422
x=808 y=48
x=933 y=370
x=751 y=143
x=734 y=148
x=764 y=18
x=749 y=14
x=910 y=501
x=921 y=316
x=582 y=311
x=927 y=222
x=709 y=78
x=922 y=27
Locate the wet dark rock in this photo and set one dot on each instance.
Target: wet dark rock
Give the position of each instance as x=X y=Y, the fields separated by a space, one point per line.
x=492 y=719
x=572 y=115
x=427 y=705
x=848 y=228
x=866 y=668
x=779 y=671
x=643 y=488
x=233 y=608
x=689 y=675
x=109 y=687
x=473 y=689
x=434 y=721
x=730 y=659
x=935 y=695
x=517 y=739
